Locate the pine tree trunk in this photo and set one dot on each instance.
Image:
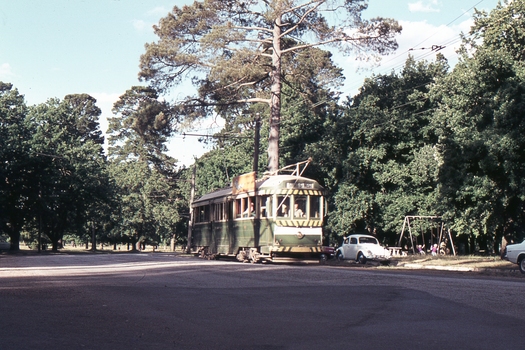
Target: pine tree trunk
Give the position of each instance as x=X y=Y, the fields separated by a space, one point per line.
x=275 y=101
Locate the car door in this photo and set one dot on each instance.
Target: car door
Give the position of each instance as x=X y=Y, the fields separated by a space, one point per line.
x=350 y=249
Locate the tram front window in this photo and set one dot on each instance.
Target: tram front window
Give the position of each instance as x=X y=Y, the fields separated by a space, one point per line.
x=299 y=210
x=283 y=206
x=315 y=207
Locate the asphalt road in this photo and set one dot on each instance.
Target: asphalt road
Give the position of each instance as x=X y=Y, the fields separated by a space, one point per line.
x=165 y=301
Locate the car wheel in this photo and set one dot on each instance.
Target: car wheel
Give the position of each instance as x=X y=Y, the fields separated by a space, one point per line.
x=361 y=258
x=521 y=264
x=339 y=256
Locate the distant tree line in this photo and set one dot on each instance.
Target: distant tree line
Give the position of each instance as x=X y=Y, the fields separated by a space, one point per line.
x=427 y=140
x=58 y=183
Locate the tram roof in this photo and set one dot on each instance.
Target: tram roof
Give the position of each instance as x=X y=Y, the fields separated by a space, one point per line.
x=267 y=182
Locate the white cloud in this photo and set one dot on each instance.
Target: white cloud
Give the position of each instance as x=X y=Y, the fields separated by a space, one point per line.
x=186 y=148
x=422 y=36
x=6 y=71
x=139 y=24
x=159 y=11
x=428 y=6
x=418 y=36
x=156 y=13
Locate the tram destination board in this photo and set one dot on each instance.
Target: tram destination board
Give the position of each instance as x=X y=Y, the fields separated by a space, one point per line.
x=299 y=185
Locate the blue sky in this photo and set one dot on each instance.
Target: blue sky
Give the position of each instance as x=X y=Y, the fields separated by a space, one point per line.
x=51 y=48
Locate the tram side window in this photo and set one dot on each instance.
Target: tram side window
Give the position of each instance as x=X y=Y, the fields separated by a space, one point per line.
x=218 y=213
x=197 y=214
x=249 y=208
x=245 y=207
x=283 y=206
x=202 y=214
x=315 y=207
x=238 y=208
x=231 y=210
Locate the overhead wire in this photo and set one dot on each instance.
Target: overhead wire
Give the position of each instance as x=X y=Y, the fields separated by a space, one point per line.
x=434 y=48
x=454 y=20
x=452 y=41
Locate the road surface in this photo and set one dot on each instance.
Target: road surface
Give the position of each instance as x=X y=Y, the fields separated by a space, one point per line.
x=166 y=301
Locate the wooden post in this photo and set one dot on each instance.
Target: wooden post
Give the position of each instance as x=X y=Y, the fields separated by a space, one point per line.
x=40 y=218
x=93 y=237
x=411 y=237
x=192 y=195
x=402 y=233
x=441 y=234
x=451 y=242
x=40 y=231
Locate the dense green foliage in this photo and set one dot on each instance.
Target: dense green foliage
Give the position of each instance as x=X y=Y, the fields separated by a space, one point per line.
x=147 y=209
x=426 y=140
x=55 y=175
x=69 y=165
x=480 y=124
x=383 y=165
x=15 y=171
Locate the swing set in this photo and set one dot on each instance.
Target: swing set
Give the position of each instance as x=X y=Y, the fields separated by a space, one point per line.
x=438 y=235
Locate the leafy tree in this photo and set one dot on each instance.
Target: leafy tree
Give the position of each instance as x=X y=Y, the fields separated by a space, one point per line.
x=148 y=203
x=68 y=164
x=480 y=124
x=15 y=176
x=145 y=177
x=237 y=52
x=378 y=156
x=142 y=126
x=306 y=97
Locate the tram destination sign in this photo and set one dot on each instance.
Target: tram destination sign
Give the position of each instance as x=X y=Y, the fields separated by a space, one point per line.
x=300 y=185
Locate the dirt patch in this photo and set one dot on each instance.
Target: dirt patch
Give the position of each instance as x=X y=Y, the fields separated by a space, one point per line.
x=487 y=265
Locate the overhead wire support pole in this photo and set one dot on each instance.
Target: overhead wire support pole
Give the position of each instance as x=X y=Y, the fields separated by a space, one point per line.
x=256 y=143
x=192 y=195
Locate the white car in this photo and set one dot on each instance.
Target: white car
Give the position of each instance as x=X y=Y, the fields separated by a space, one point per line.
x=515 y=253
x=362 y=248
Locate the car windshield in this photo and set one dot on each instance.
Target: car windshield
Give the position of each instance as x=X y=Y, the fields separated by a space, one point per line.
x=371 y=240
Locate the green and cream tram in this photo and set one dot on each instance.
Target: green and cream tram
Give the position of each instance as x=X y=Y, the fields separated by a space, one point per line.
x=280 y=215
